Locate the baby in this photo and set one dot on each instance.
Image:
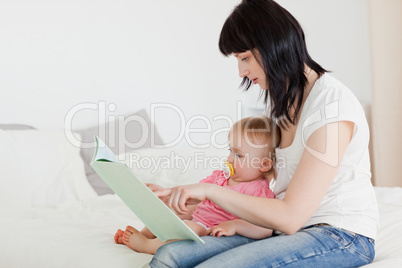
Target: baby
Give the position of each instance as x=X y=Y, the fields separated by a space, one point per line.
x=252 y=143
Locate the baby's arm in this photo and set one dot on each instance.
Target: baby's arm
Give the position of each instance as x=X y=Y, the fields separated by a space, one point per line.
x=240 y=227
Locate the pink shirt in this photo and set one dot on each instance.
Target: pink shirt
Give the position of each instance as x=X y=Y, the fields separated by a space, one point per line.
x=210 y=214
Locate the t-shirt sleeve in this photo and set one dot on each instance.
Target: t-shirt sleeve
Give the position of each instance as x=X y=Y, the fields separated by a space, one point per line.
x=260 y=189
x=211 y=178
x=332 y=107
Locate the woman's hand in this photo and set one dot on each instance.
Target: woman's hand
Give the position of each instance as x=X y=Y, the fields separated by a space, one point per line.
x=154 y=187
x=227 y=228
x=157 y=188
x=182 y=196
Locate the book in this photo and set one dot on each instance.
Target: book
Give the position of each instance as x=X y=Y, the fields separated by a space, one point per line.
x=152 y=211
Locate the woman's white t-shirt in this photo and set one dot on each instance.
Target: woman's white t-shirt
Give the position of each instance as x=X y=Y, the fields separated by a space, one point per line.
x=350 y=202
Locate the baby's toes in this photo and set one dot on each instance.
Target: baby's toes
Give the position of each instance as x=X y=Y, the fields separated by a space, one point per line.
x=125 y=239
x=118 y=237
x=130 y=229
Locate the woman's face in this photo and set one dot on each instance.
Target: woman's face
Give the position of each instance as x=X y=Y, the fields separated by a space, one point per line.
x=250 y=67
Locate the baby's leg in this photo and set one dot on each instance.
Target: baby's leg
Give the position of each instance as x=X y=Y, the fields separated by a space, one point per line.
x=137 y=241
x=198 y=229
x=147 y=233
x=118 y=237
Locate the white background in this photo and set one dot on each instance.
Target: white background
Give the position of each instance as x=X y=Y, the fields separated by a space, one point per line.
x=55 y=55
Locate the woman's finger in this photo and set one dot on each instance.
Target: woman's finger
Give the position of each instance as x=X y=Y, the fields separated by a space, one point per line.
x=164 y=192
x=182 y=202
x=170 y=198
x=175 y=198
x=151 y=186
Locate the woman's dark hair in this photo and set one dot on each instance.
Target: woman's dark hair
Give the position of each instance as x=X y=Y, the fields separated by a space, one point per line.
x=265 y=26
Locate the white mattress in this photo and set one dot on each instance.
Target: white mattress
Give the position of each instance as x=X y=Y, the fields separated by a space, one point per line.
x=81 y=234
x=73 y=235
x=389 y=238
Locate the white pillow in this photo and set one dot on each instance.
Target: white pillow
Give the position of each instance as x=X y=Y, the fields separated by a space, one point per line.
x=40 y=168
x=178 y=165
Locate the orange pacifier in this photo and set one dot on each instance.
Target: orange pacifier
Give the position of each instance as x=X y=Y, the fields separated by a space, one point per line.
x=228 y=170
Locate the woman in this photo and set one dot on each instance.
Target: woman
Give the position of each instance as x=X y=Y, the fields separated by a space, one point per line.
x=325 y=212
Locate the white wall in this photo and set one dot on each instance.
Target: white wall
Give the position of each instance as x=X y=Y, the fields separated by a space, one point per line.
x=338 y=37
x=57 y=54
x=386 y=40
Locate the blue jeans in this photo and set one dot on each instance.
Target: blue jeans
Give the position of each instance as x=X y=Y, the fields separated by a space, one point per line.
x=318 y=246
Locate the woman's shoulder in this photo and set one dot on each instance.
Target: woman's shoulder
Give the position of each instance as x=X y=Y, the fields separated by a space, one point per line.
x=331 y=101
x=329 y=94
x=328 y=89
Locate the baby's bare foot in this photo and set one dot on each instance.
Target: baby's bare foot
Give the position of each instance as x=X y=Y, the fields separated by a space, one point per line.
x=118 y=237
x=133 y=239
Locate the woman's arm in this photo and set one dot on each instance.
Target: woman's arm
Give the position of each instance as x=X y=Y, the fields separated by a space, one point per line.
x=317 y=168
x=240 y=227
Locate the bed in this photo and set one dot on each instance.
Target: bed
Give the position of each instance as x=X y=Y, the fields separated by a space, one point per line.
x=53 y=215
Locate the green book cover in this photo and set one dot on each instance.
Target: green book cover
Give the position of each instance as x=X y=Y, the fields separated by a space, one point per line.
x=155 y=214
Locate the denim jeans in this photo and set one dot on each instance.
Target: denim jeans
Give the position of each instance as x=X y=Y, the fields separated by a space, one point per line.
x=318 y=246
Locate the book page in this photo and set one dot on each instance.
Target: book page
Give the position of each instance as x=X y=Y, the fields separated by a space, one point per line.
x=103 y=153
x=155 y=214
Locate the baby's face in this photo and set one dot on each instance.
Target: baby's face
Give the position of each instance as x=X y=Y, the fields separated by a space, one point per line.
x=247 y=157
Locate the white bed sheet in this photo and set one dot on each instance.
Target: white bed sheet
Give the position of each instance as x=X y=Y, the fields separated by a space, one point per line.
x=74 y=235
x=81 y=234
x=389 y=237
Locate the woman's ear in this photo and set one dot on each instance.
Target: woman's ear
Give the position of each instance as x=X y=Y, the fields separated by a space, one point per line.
x=266 y=164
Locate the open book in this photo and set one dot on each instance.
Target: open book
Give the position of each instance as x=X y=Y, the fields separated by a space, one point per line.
x=155 y=214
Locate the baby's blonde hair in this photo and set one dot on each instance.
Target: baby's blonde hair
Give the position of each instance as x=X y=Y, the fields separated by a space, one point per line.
x=257 y=129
